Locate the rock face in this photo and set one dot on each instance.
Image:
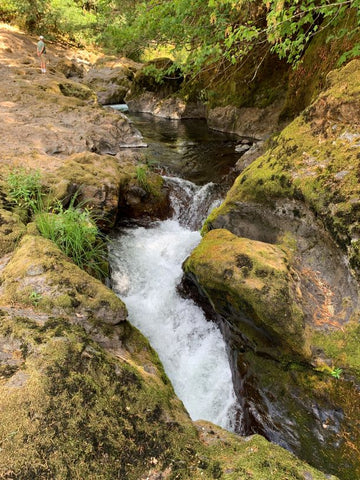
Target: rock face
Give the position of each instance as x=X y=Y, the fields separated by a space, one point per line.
x=293 y=324
x=253 y=122
x=160 y=97
x=111 y=79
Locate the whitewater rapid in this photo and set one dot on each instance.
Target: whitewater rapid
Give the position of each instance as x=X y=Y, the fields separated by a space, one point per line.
x=146 y=270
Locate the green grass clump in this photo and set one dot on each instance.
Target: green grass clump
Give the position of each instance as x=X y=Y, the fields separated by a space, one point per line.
x=142 y=178
x=25 y=188
x=75 y=232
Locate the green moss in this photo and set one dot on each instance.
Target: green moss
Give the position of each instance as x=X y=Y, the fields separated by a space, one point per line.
x=250 y=283
x=78 y=90
x=11 y=231
x=251 y=459
x=62 y=285
x=342 y=346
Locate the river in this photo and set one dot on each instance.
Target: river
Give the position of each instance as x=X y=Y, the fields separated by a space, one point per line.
x=146 y=267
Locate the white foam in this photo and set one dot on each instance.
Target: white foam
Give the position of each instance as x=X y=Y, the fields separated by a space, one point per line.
x=146 y=267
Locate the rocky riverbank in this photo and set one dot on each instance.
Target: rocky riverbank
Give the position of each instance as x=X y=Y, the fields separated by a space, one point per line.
x=279 y=264
x=82 y=393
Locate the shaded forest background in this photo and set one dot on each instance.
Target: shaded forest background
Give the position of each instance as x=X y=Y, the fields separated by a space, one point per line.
x=215 y=45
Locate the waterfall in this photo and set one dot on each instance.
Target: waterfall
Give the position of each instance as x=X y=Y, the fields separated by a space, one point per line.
x=146 y=269
x=191 y=203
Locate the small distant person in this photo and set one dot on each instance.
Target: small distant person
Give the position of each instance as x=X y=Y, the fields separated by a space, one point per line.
x=41 y=51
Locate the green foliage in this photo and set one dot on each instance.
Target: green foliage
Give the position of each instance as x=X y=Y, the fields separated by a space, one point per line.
x=74 y=231
x=197 y=34
x=223 y=32
x=75 y=20
x=25 y=188
x=35 y=298
x=336 y=373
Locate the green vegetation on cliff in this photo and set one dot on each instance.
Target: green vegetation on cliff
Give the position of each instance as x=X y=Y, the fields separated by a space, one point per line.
x=314 y=159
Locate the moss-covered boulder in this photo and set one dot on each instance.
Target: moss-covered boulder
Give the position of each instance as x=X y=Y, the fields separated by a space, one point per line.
x=114 y=187
x=39 y=274
x=253 y=285
x=144 y=196
x=95 y=180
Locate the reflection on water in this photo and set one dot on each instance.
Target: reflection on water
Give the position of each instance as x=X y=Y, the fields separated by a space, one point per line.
x=187 y=148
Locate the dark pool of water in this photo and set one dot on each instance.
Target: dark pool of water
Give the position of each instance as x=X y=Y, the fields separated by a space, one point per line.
x=187 y=148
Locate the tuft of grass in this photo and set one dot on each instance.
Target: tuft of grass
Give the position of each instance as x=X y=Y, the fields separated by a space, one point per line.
x=25 y=188
x=75 y=232
x=142 y=178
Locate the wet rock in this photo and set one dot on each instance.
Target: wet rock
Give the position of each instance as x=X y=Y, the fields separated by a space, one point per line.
x=249 y=156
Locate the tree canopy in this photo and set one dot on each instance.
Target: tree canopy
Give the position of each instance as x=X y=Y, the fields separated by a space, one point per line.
x=197 y=33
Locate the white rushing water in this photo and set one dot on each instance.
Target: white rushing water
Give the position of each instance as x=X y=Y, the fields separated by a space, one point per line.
x=146 y=269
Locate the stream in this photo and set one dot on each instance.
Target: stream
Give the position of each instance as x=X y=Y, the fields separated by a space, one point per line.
x=146 y=267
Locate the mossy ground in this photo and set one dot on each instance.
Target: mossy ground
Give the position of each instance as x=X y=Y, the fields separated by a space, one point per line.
x=81 y=413
x=252 y=459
